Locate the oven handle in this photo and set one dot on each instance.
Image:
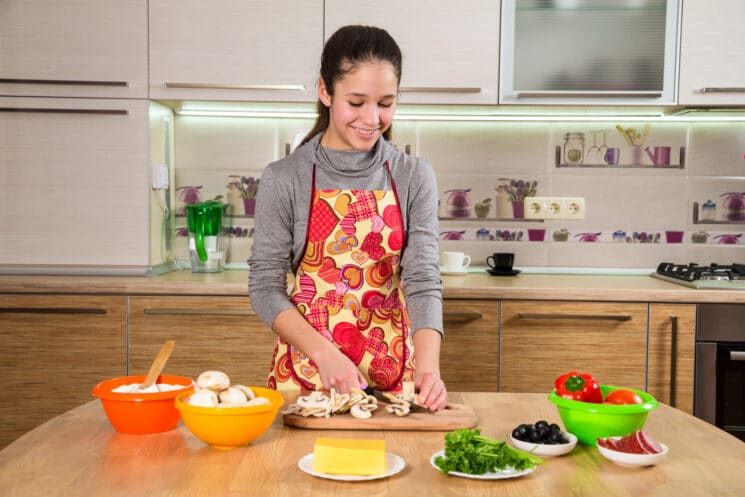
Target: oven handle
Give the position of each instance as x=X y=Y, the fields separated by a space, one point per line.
x=673 y=357
x=736 y=355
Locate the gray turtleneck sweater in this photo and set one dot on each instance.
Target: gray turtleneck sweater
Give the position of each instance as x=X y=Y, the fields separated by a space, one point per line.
x=282 y=208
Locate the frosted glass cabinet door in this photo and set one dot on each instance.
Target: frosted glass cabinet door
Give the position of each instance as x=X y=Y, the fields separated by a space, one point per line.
x=74 y=182
x=450 y=49
x=83 y=48
x=589 y=52
x=712 y=53
x=261 y=50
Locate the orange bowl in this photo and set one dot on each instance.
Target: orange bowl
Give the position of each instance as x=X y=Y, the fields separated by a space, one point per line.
x=230 y=427
x=142 y=413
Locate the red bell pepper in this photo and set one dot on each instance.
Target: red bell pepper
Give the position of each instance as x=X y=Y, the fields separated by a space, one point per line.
x=578 y=386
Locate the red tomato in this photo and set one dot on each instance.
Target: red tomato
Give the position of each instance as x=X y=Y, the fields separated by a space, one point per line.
x=623 y=396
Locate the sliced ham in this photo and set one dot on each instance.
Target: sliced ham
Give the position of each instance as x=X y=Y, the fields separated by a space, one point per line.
x=639 y=442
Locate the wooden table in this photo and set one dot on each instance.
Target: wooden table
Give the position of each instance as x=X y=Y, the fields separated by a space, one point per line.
x=79 y=454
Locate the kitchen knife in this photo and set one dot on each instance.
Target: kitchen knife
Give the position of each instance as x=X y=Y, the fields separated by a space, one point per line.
x=388 y=397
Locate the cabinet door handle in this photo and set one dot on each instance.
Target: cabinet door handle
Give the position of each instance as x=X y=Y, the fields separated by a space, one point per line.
x=601 y=317
x=585 y=94
x=53 y=310
x=673 y=357
x=721 y=89
x=439 y=89
x=106 y=112
x=463 y=316
x=736 y=355
x=62 y=82
x=231 y=86
x=200 y=312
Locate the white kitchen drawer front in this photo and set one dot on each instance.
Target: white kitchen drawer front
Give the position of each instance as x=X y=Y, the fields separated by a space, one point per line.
x=712 y=53
x=260 y=50
x=74 y=182
x=80 y=48
x=450 y=49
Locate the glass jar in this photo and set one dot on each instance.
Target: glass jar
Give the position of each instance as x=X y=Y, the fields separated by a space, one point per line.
x=708 y=211
x=574 y=148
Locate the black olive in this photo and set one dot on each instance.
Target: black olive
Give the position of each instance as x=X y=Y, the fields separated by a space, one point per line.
x=557 y=437
x=534 y=435
x=555 y=428
x=540 y=423
x=543 y=432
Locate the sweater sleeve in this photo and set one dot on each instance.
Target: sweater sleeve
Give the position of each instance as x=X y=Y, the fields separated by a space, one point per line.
x=420 y=272
x=272 y=247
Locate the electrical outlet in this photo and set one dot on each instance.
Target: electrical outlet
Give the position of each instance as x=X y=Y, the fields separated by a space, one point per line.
x=574 y=208
x=535 y=207
x=554 y=208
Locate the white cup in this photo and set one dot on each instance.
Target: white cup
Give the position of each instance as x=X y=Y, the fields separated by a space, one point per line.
x=454 y=262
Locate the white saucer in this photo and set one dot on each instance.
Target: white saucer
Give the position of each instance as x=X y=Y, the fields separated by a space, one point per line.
x=496 y=475
x=393 y=462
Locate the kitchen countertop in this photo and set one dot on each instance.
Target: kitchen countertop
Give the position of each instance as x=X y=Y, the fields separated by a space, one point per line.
x=79 y=453
x=474 y=285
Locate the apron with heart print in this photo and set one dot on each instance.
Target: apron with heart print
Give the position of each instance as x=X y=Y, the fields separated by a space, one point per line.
x=348 y=288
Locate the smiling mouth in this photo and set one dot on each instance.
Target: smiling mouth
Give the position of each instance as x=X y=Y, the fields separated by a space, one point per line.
x=366 y=132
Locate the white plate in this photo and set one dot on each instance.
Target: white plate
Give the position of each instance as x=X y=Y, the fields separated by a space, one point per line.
x=393 y=462
x=544 y=449
x=633 y=460
x=497 y=475
x=453 y=273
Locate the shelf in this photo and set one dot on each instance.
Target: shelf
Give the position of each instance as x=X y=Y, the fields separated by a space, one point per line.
x=558 y=163
x=696 y=220
x=492 y=219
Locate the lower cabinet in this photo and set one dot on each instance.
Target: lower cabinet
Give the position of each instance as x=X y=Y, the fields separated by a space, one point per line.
x=469 y=359
x=672 y=342
x=55 y=349
x=212 y=332
x=542 y=340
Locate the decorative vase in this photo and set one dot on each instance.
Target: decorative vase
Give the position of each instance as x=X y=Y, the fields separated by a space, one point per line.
x=249 y=206
x=518 y=210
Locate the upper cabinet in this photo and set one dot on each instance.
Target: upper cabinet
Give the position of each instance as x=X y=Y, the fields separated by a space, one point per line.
x=450 y=49
x=712 y=54
x=572 y=52
x=91 y=48
x=261 y=50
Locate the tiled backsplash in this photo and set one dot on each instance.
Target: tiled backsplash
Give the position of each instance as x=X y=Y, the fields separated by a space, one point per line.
x=651 y=205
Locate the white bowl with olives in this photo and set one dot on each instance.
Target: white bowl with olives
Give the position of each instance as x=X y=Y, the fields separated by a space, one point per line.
x=543 y=439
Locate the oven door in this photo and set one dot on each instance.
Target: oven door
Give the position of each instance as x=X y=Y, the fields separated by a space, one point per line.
x=730 y=415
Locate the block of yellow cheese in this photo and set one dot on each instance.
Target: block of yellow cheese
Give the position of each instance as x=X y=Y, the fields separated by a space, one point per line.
x=337 y=456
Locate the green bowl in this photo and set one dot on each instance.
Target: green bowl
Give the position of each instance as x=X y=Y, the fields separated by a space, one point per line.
x=590 y=421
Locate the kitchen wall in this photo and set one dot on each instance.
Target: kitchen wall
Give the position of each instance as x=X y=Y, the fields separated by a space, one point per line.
x=643 y=202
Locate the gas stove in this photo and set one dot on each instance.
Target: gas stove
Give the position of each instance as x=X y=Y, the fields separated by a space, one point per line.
x=713 y=276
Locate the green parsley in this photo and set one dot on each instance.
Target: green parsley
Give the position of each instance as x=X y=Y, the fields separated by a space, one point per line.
x=467 y=451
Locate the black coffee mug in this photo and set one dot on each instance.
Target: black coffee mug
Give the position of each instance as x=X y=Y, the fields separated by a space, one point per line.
x=501 y=261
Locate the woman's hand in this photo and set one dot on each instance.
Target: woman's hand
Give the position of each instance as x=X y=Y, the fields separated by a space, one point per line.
x=337 y=371
x=432 y=392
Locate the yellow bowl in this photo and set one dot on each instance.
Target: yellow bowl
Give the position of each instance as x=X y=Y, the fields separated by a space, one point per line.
x=230 y=427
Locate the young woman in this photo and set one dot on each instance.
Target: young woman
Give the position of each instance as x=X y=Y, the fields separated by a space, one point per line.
x=355 y=221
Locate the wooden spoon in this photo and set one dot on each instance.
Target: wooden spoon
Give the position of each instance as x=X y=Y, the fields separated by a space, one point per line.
x=158 y=364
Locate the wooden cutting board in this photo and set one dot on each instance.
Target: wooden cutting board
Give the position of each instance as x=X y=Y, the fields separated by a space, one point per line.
x=454 y=416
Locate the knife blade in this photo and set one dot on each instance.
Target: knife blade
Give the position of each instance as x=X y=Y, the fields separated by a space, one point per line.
x=389 y=397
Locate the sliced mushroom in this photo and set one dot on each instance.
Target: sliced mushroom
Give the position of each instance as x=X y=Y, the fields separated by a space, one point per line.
x=360 y=411
x=213 y=380
x=398 y=409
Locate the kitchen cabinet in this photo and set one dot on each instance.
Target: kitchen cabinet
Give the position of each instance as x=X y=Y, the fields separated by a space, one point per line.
x=450 y=49
x=83 y=48
x=75 y=183
x=55 y=349
x=541 y=340
x=581 y=52
x=672 y=338
x=469 y=357
x=235 y=50
x=220 y=333
x=712 y=64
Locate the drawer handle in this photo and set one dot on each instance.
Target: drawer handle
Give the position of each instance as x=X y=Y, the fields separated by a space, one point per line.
x=438 y=89
x=673 y=357
x=231 y=86
x=463 y=315
x=736 y=355
x=108 y=112
x=62 y=82
x=601 y=317
x=583 y=94
x=52 y=310
x=722 y=89
x=198 y=312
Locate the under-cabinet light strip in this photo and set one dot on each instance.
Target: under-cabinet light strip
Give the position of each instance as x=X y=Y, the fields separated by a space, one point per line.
x=474 y=117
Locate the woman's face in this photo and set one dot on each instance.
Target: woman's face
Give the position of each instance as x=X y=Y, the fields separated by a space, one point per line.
x=362 y=107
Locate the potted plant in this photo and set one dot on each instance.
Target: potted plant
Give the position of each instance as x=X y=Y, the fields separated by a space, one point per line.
x=247 y=187
x=516 y=191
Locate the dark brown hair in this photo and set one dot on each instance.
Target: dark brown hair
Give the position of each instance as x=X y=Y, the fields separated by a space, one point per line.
x=348 y=47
